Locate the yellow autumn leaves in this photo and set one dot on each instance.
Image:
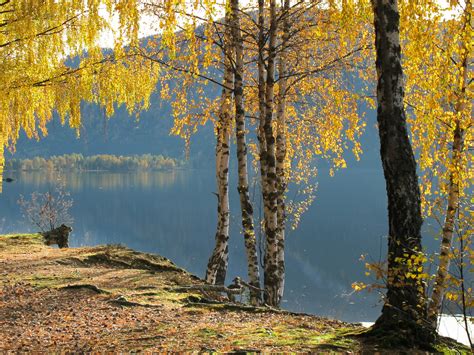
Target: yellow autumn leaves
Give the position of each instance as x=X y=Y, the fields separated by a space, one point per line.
x=50 y=61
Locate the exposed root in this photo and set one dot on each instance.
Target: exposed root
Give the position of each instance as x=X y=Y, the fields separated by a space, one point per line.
x=85 y=286
x=391 y=336
x=122 y=301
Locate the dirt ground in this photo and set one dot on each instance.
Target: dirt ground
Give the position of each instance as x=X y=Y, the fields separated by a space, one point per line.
x=110 y=298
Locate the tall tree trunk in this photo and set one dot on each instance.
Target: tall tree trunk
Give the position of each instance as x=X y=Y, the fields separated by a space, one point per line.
x=272 y=280
x=262 y=145
x=403 y=312
x=261 y=91
x=439 y=287
x=452 y=206
x=218 y=262
x=281 y=144
x=243 y=188
x=2 y=148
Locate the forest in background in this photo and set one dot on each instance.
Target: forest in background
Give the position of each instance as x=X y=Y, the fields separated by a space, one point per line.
x=106 y=162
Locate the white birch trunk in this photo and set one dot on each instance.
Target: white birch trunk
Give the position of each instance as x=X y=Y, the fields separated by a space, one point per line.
x=403 y=314
x=272 y=281
x=447 y=232
x=240 y=131
x=218 y=262
x=281 y=146
x=452 y=206
x=261 y=90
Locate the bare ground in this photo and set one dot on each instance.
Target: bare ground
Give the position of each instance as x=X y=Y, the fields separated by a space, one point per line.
x=110 y=298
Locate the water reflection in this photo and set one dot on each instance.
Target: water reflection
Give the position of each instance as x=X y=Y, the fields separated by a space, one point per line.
x=76 y=181
x=173 y=214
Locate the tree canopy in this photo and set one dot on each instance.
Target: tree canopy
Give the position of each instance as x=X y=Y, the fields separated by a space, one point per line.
x=51 y=60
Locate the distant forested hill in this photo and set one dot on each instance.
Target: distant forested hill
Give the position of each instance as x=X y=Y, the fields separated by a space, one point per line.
x=123 y=134
x=103 y=162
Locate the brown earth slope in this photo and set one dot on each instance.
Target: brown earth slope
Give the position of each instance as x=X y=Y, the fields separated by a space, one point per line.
x=110 y=298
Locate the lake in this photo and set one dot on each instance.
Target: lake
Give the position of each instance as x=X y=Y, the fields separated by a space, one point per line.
x=174 y=214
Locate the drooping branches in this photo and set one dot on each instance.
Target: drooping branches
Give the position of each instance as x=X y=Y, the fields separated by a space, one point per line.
x=288 y=88
x=439 y=49
x=36 y=38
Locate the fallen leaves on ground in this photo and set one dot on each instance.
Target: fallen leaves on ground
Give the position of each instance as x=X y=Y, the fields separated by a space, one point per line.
x=39 y=311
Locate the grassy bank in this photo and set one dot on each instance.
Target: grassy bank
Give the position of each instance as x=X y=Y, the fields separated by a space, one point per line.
x=111 y=298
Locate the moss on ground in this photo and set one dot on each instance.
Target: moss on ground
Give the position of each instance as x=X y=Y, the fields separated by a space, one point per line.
x=21 y=243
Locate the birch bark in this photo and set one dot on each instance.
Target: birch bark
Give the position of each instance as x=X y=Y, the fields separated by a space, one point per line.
x=218 y=262
x=240 y=131
x=403 y=311
x=281 y=146
x=261 y=87
x=272 y=281
x=453 y=189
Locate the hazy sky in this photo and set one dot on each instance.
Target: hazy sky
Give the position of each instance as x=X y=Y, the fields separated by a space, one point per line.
x=149 y=26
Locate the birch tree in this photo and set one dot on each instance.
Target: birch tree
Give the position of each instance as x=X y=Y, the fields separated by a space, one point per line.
x=281 y=150
x=272 y=278
x=218 y=262
x=439 y=47
x=35 y=40
x=214 y=44
x=280 y=74
x=241 y=147
x=303 y=109
x=403 y=311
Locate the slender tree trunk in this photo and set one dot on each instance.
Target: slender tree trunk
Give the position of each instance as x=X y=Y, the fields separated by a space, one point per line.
x=272 y=279
x=243 y=188
x=262 y=145
x=261 y=91
x=403 y=312
x=448 y=229
x=452 y=207
x=218 y=262
x=2 y=148
x=281 y=145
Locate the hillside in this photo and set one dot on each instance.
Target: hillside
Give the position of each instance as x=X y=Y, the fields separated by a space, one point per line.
x=110 y=298
x=124 y=134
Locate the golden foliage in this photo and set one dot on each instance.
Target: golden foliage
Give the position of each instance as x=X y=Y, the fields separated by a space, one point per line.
x=323 y=58
x=438 y=56
x=50 y=61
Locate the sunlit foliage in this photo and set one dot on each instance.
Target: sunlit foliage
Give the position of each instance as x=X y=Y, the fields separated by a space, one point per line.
x=51 y=60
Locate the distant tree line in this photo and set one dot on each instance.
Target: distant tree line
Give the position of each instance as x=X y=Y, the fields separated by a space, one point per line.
x=78 y=162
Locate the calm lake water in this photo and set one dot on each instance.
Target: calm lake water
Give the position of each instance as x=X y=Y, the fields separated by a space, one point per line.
x=173 y=214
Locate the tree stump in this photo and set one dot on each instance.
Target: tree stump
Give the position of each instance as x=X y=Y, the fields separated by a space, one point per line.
x=59 y=236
